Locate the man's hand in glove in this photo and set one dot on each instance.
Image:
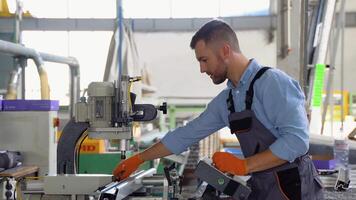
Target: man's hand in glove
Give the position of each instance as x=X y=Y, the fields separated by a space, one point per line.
x=127 y=167
x=228 y=163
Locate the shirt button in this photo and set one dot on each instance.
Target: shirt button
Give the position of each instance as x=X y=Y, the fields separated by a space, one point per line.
x=238 y=92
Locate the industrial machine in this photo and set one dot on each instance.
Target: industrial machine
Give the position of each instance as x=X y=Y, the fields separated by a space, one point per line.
x=50 y=160
x=108 y=112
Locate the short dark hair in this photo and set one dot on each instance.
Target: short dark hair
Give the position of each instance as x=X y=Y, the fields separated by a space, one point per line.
x=216 y=30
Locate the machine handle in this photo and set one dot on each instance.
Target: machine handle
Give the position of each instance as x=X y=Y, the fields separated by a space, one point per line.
x=163 y=107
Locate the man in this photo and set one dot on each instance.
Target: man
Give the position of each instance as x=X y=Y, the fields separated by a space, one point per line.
x=265 y=109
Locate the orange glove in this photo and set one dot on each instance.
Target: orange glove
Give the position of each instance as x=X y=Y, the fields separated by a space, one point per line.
x=127 y=167
x=226 y=162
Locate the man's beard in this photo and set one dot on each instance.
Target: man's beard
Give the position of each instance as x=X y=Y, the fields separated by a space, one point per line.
x=222 y=77
x=218 y=81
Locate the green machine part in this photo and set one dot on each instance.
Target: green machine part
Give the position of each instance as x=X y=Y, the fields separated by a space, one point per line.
x=104 y=163
x=99 y=163
x=318 y=85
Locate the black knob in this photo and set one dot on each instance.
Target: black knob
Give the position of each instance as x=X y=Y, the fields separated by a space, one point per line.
x=8 y=194
x=83 y=99
x=163 y=108
x=8 y=186
x=123 y=155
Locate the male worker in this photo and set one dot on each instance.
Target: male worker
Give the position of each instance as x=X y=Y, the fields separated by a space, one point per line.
x=265 y=109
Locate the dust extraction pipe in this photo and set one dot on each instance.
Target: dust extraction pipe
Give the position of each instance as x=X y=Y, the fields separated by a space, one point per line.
x=14 y=77
x=39 y=58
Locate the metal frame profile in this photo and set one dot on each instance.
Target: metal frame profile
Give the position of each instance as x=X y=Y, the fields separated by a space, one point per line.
x=20 y=51
x=120 y=190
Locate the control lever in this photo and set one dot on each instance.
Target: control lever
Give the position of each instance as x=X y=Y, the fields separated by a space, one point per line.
x=167 y=173
x=163 y=108
x=174 y=181
x=180 y=184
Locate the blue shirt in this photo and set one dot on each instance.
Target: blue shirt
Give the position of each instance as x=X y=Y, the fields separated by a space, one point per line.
x=278 y=103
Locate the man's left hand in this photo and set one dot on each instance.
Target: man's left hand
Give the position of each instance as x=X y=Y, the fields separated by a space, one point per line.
x=228 y=163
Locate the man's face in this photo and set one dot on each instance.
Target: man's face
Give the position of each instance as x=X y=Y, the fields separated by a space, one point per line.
x=210 y=62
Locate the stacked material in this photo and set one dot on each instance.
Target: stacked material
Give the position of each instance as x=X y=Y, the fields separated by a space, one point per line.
x=209 y=145
x=205 y=148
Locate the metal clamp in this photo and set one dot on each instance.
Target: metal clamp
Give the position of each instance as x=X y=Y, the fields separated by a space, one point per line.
x=232 y=187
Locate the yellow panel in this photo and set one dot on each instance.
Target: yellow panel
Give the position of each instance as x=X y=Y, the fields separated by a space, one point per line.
x=92 y=146
x=5 y=12
x=4 y=9
x=337 y=105
x=89 y=145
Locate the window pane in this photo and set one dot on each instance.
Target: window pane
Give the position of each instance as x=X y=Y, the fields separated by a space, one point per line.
x=243 y=7
x=90 y=48
x=71 y=8
x=146 y=8
x=46 y=8
x=196 y=8
x=12 y=5
x=54 y=42
x=193 y=8
x=92 y=9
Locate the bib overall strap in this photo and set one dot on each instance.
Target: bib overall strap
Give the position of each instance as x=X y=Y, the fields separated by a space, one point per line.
x=249 y=92
x=230 y=102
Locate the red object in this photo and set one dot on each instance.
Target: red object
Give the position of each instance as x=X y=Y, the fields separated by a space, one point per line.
x=56 y=122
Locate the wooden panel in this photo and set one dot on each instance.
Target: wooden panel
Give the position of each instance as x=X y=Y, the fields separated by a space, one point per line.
x=19 y=171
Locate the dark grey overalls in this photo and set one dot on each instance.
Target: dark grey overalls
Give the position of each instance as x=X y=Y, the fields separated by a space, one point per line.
x=296 y=180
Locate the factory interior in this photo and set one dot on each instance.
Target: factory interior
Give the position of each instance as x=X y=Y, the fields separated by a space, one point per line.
x=112 y=99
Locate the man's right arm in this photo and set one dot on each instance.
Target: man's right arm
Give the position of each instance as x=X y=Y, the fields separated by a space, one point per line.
x=128 y=166
x=176 y=141
x=157 y=150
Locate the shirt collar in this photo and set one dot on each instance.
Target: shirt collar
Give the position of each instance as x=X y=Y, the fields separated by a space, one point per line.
x=252 y=67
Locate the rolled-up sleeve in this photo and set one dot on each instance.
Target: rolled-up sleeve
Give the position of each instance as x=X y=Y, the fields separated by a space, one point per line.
x=283 y=103
x=205 y=124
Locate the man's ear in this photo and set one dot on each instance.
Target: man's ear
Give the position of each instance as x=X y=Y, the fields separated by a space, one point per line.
x=226 y=51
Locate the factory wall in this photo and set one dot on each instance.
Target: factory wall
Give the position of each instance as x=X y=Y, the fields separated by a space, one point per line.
x=175 y=70
x=349 y=62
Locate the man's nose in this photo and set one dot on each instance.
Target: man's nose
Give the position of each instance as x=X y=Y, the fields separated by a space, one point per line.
x=202 y=68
